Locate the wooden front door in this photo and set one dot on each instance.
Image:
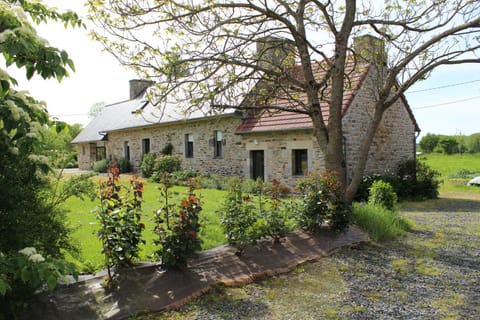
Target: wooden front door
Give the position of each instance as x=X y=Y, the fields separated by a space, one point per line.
x=257 y=164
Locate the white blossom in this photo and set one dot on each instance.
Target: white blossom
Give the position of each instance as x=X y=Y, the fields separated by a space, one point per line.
x=36 y=258
x=28 y=251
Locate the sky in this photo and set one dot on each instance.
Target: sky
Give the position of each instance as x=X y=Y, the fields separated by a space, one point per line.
x=446 y=103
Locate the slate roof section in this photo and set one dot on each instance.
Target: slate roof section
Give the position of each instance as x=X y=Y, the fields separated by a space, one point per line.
x=138 y=113
x=284 y=120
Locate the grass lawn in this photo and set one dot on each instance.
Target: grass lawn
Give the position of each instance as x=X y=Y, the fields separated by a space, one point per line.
x=449 y=166
x=82 y=218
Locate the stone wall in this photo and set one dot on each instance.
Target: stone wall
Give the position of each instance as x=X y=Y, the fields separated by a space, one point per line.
x=87 y=154
x=204 y=160
x=278 y=148
x=394 y=140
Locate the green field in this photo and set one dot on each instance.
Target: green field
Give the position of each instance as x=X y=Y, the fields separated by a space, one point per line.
x=455 y=170
x=82 y=219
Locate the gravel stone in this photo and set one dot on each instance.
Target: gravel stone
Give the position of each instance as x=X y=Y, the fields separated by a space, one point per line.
x=431 y=273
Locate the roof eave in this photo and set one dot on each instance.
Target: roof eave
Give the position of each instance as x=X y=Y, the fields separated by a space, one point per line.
x=274 y=130
x=160 y=124
x=410 y=113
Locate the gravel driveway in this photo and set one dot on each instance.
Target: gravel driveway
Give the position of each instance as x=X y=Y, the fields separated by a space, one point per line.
x=432 y=273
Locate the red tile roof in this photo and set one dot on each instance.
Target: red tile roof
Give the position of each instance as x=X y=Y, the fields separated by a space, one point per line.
x=275 y=120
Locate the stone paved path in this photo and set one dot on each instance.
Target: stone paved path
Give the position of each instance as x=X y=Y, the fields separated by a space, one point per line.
x=147 y=288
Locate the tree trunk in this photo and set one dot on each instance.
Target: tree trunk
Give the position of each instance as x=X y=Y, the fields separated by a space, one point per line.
x=334 y=156
x=359 y=167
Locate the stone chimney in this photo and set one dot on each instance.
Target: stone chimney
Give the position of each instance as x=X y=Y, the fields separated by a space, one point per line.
x=371 y=49
x=274 y=52
x=138 y=87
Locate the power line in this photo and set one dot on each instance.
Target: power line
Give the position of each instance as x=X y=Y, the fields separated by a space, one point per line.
x=69 y=115
x=445 y=86
x=423 y=90
x=446 y=103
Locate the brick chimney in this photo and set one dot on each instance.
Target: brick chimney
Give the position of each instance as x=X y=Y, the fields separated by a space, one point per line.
x=138 y=87
x=274 y=52
x=371 y=49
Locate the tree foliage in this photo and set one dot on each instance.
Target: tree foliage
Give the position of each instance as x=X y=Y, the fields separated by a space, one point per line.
x=429 y=142
x=30 y=203
x=55 y=142
x=25 y=212
x=224 y=45
x=95 y=109
x=450 y=144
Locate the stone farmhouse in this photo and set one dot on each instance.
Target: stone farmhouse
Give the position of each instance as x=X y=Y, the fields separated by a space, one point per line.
x=271 y=146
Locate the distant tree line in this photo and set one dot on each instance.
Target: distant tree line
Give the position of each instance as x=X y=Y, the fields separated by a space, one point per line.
x=450 y=144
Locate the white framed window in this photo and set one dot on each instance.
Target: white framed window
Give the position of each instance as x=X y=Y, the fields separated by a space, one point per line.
x=189 y=146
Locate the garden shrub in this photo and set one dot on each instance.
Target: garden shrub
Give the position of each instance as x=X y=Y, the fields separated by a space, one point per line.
x=416 y=180
x=182 y=176
x=24 y=221
x=239 y=217
x=212 y=181
x=322 y=203
x=427 y=182
x=120 y=220
x=275 y=214
x=381 y=193
x=252 y=186
x=177 y=226
x=100 y=166
x=23 y=273
x=413 y=180
x=379 y=222
x=124 y=165
x=168 y=164
x=40 y=222
x=148 y=165
x=167 y=150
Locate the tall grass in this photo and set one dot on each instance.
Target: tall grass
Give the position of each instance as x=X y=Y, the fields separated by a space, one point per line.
x=380 y=223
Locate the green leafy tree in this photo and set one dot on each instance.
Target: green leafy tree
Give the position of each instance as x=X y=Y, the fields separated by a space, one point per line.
x=25 y=215
x=95 y=109
x=216 y=40
x=55 y=140
x=448 y=145
x=30 y=213
x=429 y=142
x=473 y=143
